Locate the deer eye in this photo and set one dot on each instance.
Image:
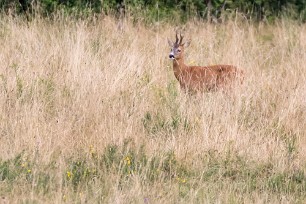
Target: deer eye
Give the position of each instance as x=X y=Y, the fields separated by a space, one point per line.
x=179 y=50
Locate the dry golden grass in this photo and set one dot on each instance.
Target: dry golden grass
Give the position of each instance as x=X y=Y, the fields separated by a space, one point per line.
x=92 y=114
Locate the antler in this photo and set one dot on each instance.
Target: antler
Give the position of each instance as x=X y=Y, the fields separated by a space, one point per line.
x=178 y=40
x=176 y=37
x=181 y=40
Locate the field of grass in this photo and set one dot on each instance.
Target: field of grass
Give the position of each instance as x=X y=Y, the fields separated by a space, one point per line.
x=90 y=112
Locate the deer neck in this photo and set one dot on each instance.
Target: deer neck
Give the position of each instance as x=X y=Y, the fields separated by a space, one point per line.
x=178 y=68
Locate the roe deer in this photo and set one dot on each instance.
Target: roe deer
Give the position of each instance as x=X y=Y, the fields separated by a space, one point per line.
x=200 y=78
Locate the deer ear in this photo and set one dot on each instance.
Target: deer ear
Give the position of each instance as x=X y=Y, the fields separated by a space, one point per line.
x=170 y=43
x=187 y=43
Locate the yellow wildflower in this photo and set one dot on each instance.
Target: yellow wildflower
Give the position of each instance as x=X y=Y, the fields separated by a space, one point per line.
x=29 y=171
x=181 y=180
x=69 y=174
x=127 y=160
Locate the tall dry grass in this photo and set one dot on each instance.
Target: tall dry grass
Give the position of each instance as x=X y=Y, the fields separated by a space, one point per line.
x=90 y=113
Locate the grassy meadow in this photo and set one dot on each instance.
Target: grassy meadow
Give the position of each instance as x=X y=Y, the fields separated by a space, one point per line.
x=90 y=112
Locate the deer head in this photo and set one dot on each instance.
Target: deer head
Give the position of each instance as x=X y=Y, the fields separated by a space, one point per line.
x=177 y=47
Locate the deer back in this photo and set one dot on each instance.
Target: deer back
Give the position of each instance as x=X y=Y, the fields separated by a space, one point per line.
x=208 y=77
